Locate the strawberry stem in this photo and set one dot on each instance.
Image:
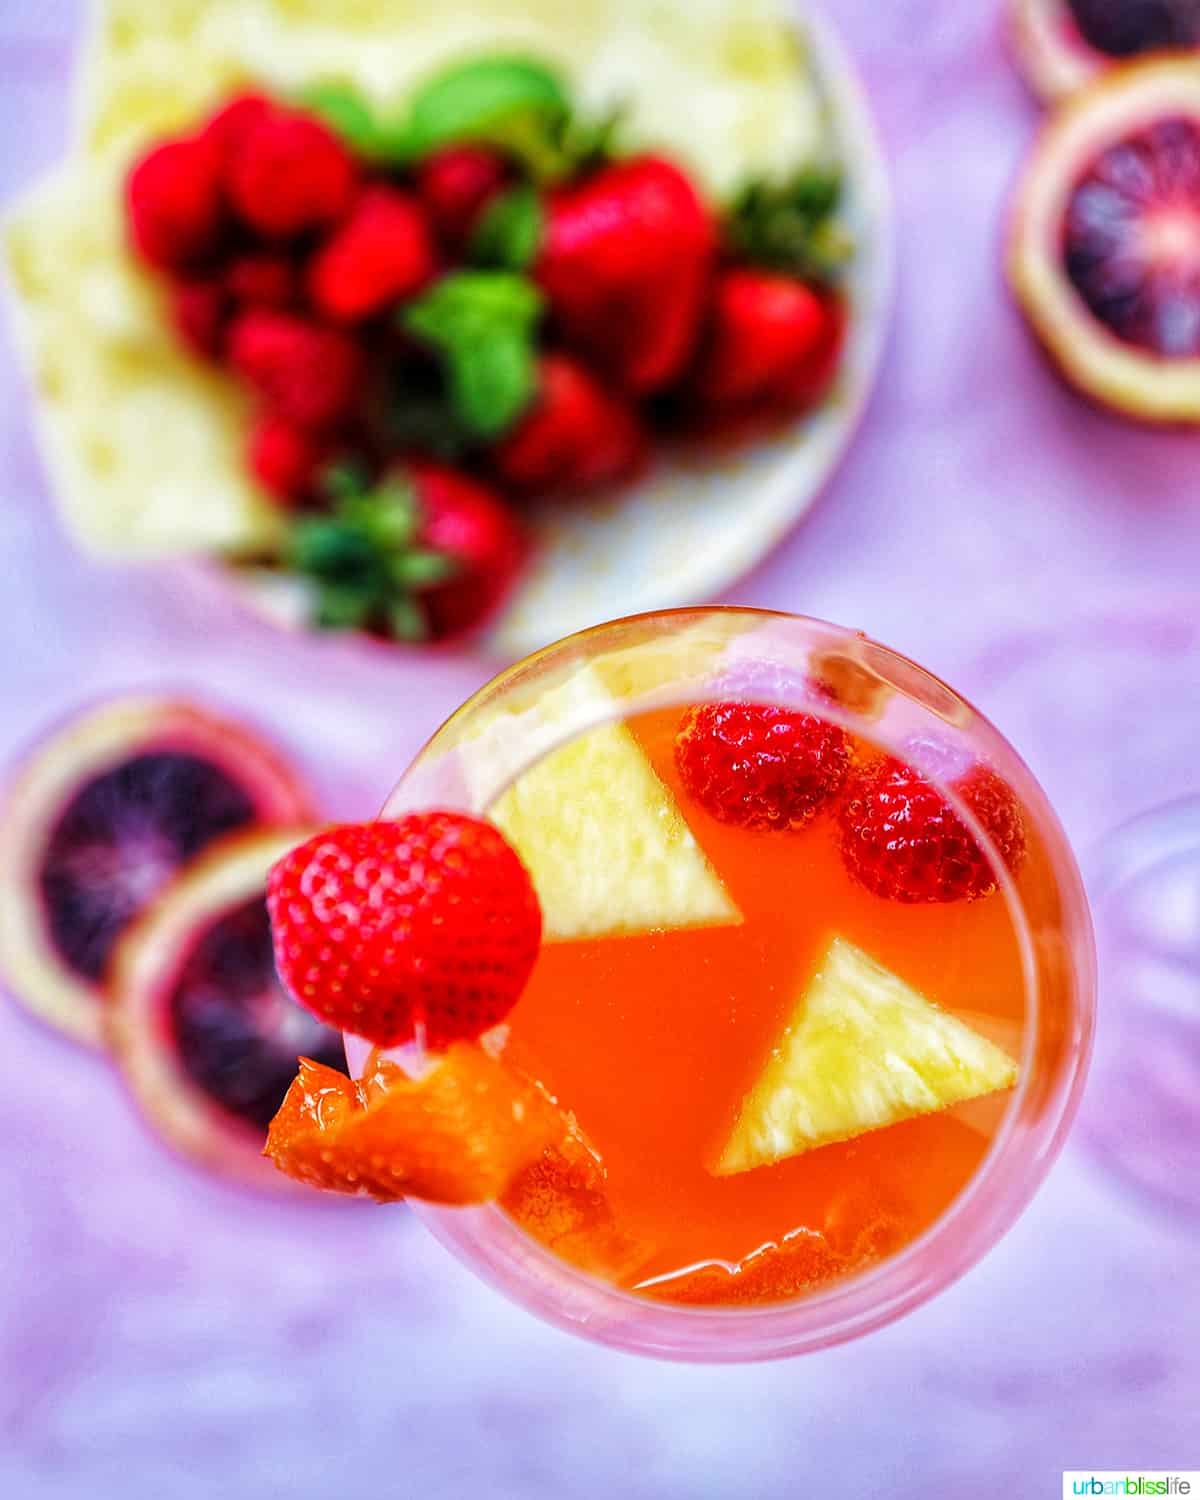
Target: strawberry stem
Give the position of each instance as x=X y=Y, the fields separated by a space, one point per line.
x=362 y=559
x=791 y=226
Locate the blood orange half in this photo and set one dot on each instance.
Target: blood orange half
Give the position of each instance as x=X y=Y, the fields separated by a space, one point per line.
x=1104 y=258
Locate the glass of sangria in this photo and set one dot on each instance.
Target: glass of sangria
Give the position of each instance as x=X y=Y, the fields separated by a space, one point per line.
x=814 y=991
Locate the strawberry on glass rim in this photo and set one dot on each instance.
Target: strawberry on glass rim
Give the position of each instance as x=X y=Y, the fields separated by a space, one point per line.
x=426 y=928
x=708 y=958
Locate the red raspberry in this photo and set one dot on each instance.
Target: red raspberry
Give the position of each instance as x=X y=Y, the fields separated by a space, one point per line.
x=264 y=280
x=286 y=459
x=758 y=766
x=307 y=374
x=379 y=254
x=291 y=174
x=576 y=435
x=903 y=840
x=428 y=925
x=228 y=128
x=456 y=185
x=199 y=312
x=173 y=202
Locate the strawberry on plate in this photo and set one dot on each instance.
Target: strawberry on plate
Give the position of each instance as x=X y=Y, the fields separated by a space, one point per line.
x=576 y=435
x=428 y=553
x=625 y=259
x=173 y=202
x=425 y=927
x=287 y=459
x=770 y=341
x=463 y=522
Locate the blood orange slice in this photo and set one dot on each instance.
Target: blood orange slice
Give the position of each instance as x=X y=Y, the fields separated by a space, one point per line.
x=97 y=821
x=204 y=1032
x=1063 y=44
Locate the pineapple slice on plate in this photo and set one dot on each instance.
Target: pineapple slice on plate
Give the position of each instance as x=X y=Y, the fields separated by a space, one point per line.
x=144 y=443
x=863 y=1050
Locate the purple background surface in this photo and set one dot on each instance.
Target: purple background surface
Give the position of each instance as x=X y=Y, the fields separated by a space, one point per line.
x=164 y=1335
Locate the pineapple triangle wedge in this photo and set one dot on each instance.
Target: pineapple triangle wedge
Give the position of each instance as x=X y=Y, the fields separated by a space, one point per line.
x=862 y=1050
x=608 y=849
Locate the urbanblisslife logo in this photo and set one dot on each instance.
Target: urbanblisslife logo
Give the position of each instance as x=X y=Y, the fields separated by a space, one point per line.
x=1130 y=1482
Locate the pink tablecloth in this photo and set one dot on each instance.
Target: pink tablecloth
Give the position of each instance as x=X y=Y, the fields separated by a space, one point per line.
x=161 y=1335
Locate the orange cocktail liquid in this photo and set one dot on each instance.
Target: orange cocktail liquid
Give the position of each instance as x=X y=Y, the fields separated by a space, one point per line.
x=654 y=1040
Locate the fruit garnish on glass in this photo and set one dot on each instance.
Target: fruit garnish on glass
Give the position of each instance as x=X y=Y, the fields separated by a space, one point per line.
x=1104 y=252
x=707 y=960
x=402 y=333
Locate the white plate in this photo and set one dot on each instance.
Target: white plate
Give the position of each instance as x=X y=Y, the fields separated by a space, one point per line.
x=696 y=522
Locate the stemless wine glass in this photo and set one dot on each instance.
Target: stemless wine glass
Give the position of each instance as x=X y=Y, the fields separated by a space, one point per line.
x=1124 y=681
x=687 y=657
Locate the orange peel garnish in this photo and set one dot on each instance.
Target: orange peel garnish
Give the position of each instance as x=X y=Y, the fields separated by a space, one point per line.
x=459 y=1134
x=860 y=1229
x=797 y=1264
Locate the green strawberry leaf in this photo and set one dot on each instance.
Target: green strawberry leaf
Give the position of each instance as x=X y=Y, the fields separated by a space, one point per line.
x=340 y=607
x=492 y=381
x=348 y=115
x=391 y=522
x=509 y=234
x=791 y=226
x=362 y=561
x=343 y=477
x=512 y=102
x=415 y=570
x=470 y=305
x=405 y=622
x=482 y=324
x=428 y=422
x=327 y=548
x=589 y=143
